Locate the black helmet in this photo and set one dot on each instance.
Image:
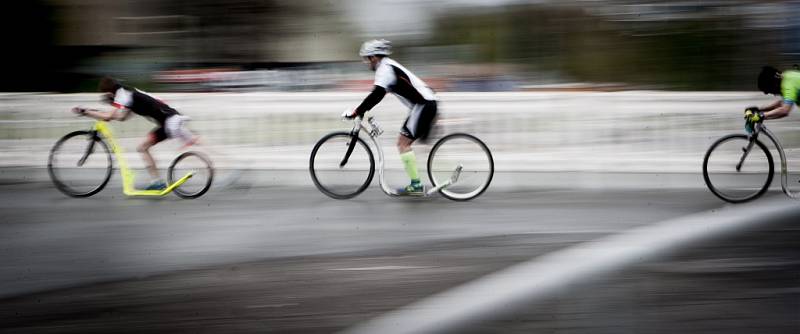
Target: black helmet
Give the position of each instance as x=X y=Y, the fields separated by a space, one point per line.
x=769 y=80
x=108 y=85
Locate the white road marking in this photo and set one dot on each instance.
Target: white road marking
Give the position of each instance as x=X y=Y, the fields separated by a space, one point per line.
x=273 y=305
x=505 y=291
x=380 y=268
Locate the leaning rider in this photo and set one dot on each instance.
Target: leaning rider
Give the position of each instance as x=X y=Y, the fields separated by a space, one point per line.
x=771 y=81
x=126 y=100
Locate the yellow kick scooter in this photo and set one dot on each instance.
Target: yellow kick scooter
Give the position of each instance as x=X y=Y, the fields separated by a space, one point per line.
x=80 y=165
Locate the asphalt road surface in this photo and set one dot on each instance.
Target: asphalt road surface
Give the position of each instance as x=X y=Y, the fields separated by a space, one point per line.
x=290 y=260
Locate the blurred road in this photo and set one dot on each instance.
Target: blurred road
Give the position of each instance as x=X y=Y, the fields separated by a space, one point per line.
x=288 y=259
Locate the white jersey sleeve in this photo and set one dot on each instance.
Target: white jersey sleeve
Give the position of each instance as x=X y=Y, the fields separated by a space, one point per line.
x=123 y=98
x=384 y=76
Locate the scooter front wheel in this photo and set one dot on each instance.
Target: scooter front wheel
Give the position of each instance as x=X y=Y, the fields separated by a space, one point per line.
x=341 y=165
x=80 y=164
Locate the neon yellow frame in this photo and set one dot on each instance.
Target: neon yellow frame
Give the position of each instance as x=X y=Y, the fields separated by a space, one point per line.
x=128 y=176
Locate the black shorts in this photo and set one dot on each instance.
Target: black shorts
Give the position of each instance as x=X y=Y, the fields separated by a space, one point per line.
x=420 y=121
x=158 y=134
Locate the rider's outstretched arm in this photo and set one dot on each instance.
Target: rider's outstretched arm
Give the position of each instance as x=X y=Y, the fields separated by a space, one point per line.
x=789 y=99
x=771 y=106
x=781 y=111
x=371 y=100
x=116 y=114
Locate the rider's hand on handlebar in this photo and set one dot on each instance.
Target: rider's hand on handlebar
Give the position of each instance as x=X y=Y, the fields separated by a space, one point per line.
x=753 y=115
x=349 y=113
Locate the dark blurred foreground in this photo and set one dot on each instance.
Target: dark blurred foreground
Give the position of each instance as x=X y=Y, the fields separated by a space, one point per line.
x=324 y=270
x=743 y=285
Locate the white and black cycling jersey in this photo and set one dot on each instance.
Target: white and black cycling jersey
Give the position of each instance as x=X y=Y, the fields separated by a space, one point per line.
x=143 y=104
x=396 y=79
x=392 y=77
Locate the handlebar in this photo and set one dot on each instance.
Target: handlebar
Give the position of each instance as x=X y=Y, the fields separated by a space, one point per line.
x=358 y=123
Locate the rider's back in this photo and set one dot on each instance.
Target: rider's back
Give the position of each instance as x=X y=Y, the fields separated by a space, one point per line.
x=397 y=79
x=790 y=85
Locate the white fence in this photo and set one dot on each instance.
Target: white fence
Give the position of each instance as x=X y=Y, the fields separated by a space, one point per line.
x=636 y=131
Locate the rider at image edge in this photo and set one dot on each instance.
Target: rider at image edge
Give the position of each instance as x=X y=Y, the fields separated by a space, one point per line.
x=392 y=77
x=772 y=81
x=126 y=100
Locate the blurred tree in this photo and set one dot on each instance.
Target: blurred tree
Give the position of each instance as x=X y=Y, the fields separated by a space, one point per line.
x=707 y=52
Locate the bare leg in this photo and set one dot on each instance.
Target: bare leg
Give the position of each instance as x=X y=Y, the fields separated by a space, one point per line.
x=144 y=149
x=195 y=140
x=404 y=144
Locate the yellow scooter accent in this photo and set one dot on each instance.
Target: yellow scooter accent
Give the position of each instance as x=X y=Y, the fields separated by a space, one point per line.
x=128 y=176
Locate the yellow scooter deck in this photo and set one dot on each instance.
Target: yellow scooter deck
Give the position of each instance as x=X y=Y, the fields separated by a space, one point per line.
x=130 y=191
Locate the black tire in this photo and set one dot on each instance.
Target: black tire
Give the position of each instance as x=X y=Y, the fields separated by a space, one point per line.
x=475 y=158
x=719 y=168
x=69 y=149
x=326 y=160
x=199 y=183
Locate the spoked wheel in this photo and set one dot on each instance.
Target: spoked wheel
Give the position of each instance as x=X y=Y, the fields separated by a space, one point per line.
x=463 y=160
x=734 y=173
x=336 y=172
x=202 y=174
x=80 y=164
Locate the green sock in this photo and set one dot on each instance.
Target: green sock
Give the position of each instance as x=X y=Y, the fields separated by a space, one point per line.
x=410 y=163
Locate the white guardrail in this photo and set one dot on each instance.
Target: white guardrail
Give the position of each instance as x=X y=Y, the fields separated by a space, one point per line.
x=635 y=131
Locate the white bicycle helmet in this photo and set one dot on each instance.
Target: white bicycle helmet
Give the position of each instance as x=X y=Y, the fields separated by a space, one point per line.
x=376 y=47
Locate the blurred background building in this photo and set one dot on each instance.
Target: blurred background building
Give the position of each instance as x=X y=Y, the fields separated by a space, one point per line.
x=466 y=45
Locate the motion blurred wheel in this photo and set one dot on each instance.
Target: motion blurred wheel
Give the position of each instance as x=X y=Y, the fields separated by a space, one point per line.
x=734 y=174
x=80 y=164
x=335 y=180
x=202 y=174
x=470 y=156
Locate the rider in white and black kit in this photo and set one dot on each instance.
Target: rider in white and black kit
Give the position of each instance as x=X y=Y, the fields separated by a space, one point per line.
x=392 y=77
x=127 y=100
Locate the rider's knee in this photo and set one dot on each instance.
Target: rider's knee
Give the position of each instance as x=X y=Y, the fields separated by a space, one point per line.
x=143 y=148
x=403 y=147
x=404 y=144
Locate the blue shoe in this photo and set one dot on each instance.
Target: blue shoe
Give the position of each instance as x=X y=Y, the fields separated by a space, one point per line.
x=413 y=189
x=157 y=185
